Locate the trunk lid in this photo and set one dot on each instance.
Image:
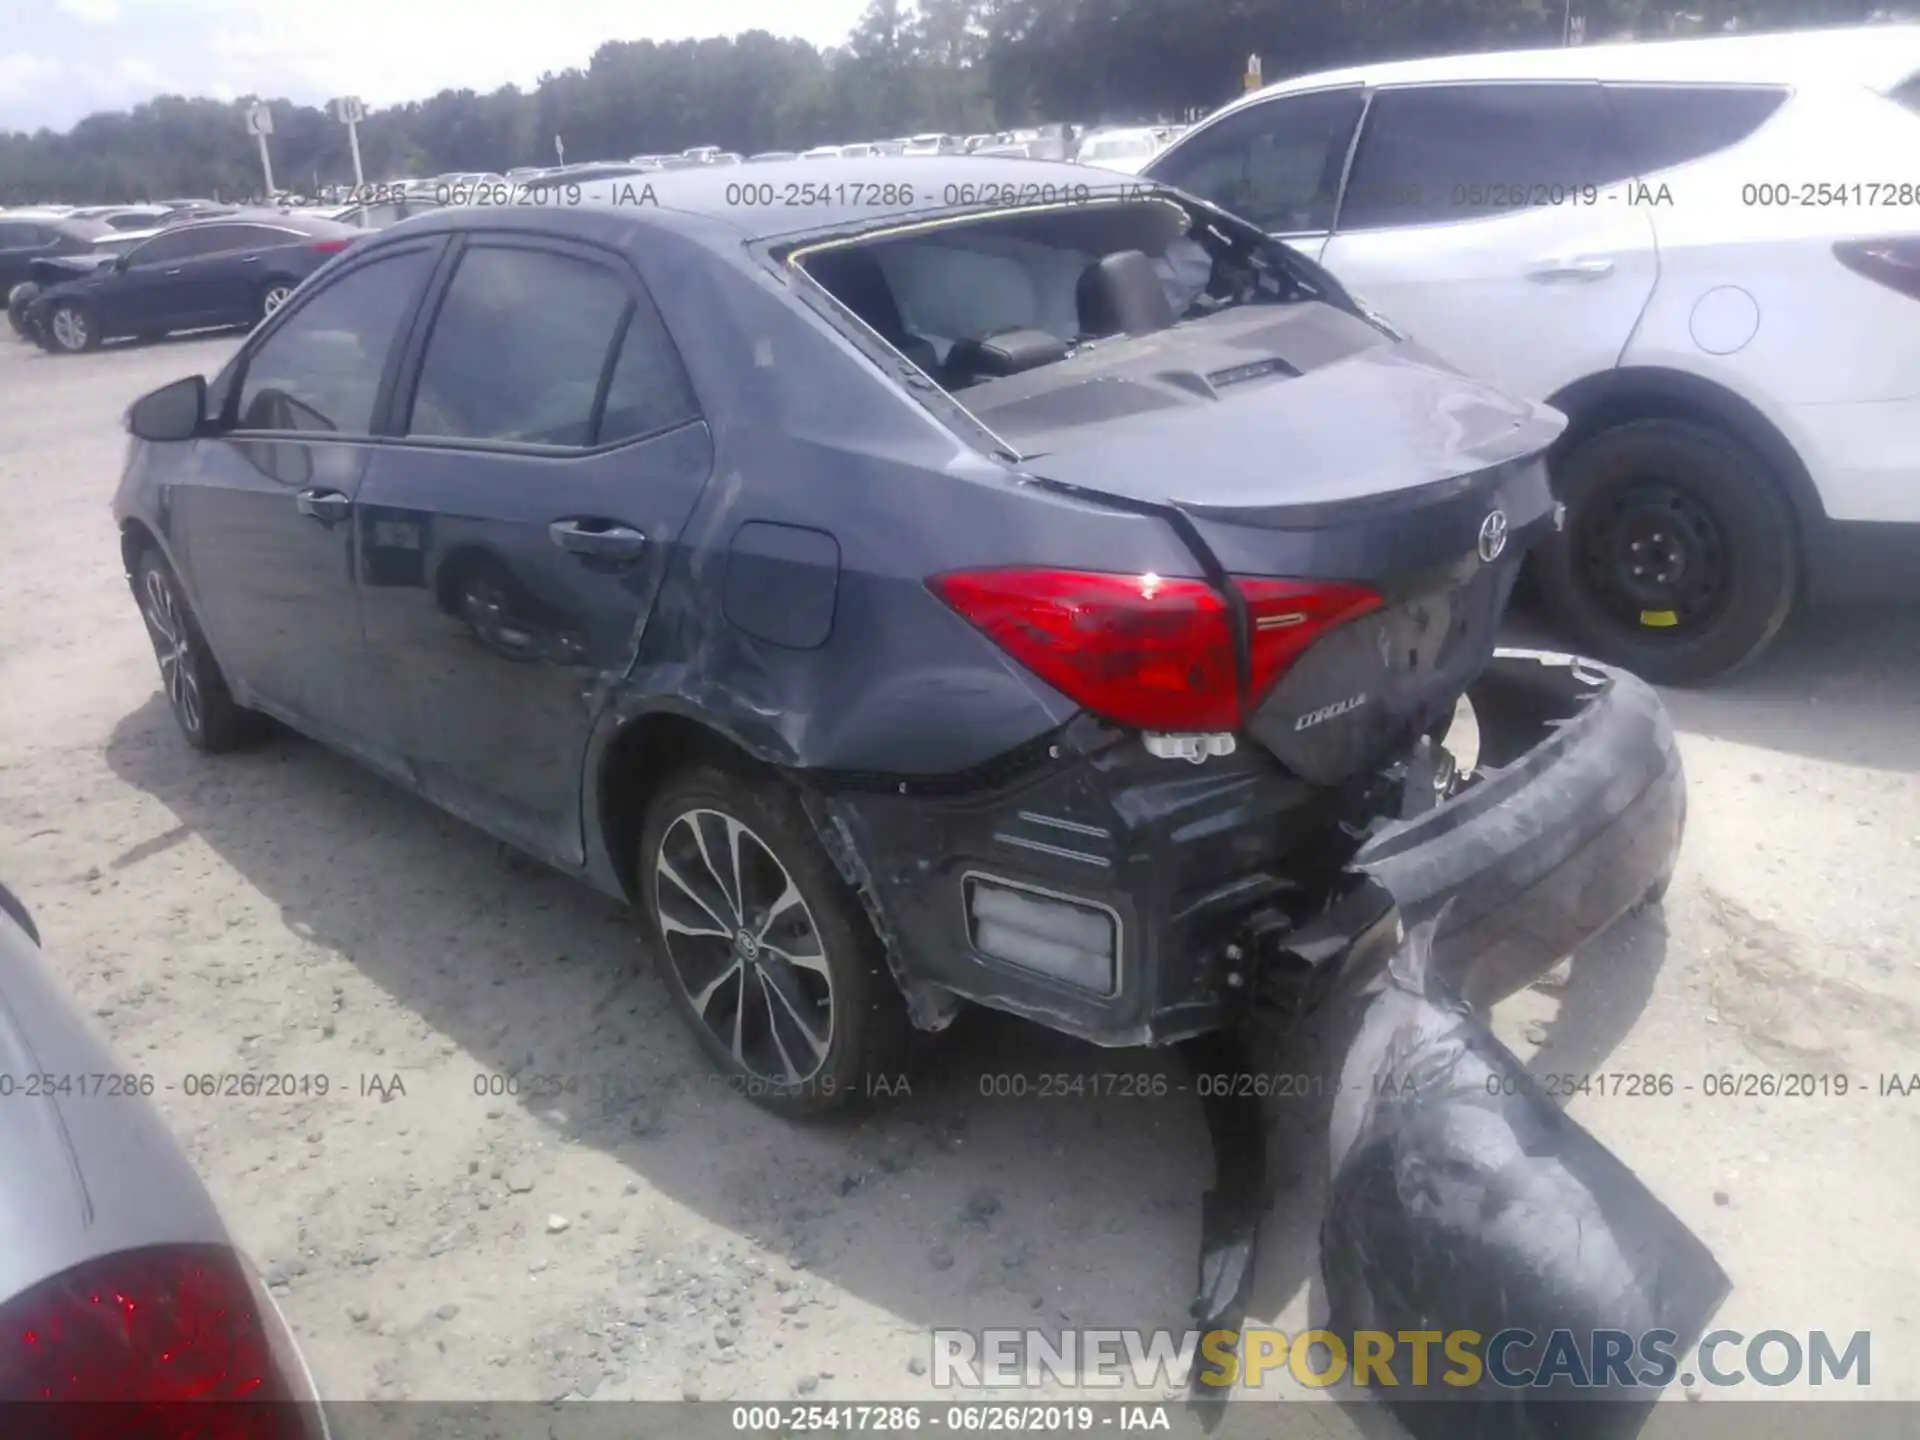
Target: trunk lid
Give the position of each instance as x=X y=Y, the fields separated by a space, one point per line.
x=1301 y=442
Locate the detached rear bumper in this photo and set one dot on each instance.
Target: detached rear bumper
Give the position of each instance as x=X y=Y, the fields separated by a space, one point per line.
x=1182 y=875
x=1577 y=816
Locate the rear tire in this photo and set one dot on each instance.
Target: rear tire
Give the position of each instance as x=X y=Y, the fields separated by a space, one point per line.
x=1679 y=560
x=770 y=959
x=70 y=329
x=196 y=692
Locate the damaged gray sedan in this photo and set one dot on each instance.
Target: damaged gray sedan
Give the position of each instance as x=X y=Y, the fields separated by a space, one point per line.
x=911 y=583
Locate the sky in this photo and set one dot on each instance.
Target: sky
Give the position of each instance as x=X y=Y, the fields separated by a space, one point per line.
x=63 y=59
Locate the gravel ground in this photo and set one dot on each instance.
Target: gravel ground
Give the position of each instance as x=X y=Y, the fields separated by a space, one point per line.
x=651 y=1235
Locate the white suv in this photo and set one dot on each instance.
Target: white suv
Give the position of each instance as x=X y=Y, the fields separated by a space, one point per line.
x=1706 y=252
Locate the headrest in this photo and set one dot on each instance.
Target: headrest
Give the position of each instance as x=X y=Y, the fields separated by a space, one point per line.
x=1121 y=294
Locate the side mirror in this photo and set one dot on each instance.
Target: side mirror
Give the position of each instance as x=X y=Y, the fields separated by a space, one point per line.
x=119 y=262
x=173 y=412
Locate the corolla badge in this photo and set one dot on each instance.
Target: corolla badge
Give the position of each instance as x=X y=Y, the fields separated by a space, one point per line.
x=1493 y=536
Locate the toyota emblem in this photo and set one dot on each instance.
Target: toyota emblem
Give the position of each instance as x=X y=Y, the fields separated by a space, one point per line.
x=1493 y=536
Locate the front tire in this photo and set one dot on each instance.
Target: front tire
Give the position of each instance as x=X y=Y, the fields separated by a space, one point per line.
x=196 y=691
x=767 y=955
x=273 y=295
x=70 y=329
x=1679 y=560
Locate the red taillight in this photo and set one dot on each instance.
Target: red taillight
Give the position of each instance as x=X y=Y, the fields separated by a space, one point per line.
x=1144 y=650
x=1894 y=263
x=1287 y=616
x=331 y=247
x=120 y=1343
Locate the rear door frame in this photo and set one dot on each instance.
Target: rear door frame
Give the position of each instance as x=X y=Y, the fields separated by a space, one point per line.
x=393 y=411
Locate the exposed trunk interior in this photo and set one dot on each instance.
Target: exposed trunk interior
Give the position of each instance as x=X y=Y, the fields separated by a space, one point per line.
x=1155 y=353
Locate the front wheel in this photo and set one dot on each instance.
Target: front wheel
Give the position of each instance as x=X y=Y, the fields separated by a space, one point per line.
x=196 y=692
x=768 y=956
x=70 y=329
x=1679 y=559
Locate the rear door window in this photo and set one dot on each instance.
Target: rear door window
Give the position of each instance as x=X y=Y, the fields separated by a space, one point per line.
x=255 y=237
x=521 y=350
x=1435 y=153
x=648 y=390
x=1667 y=125
x=179 y=245
x=1277 y=163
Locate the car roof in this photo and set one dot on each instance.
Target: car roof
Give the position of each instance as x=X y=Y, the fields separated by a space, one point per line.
x=1879 y=56
x=857 y=190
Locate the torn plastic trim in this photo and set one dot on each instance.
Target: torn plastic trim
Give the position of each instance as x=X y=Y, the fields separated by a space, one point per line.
x=1462 y=1198
x=930 y=1007
x=1576 y=812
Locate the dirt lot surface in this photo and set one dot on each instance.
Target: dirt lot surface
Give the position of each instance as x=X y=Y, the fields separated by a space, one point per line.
x=652 y=1235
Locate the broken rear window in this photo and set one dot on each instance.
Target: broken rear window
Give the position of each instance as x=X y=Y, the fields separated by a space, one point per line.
x=975 y=300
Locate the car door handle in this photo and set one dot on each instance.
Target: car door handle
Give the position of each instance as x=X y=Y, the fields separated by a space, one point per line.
x=598 y=539
x=1586 y=267
x=173 y=272
x=325 y=505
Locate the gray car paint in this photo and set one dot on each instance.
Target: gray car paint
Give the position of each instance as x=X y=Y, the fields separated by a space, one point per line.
x=812 y=423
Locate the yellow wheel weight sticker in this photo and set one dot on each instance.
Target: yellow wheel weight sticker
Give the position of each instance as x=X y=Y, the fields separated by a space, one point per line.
x=1659 y=619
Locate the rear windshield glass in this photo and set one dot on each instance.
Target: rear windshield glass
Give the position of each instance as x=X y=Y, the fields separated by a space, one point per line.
x=979 y=300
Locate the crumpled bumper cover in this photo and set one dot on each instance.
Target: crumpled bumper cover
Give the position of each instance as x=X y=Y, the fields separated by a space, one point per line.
x=1576 y=817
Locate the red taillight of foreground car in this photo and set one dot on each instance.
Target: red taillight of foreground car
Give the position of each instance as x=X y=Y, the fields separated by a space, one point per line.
x=1893 y=263
x=169 y=1342
x=1144 y=650
x=1288 y=616
x=331 y=247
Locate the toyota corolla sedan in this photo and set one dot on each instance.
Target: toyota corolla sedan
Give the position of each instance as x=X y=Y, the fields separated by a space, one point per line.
x=970 y=581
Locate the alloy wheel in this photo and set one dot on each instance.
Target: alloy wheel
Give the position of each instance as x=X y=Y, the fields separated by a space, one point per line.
x=744 y=946
x=173 y=646
x=69 y=328
x=275 y=297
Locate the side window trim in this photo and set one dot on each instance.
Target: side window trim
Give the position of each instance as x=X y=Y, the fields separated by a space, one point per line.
x=598 y=416
x=230 y=402
x=390 y=426
x=1346 y=166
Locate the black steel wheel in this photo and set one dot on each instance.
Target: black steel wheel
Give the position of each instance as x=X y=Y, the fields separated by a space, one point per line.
x=769 y=958
x=1679 y=560
x=196 y=692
